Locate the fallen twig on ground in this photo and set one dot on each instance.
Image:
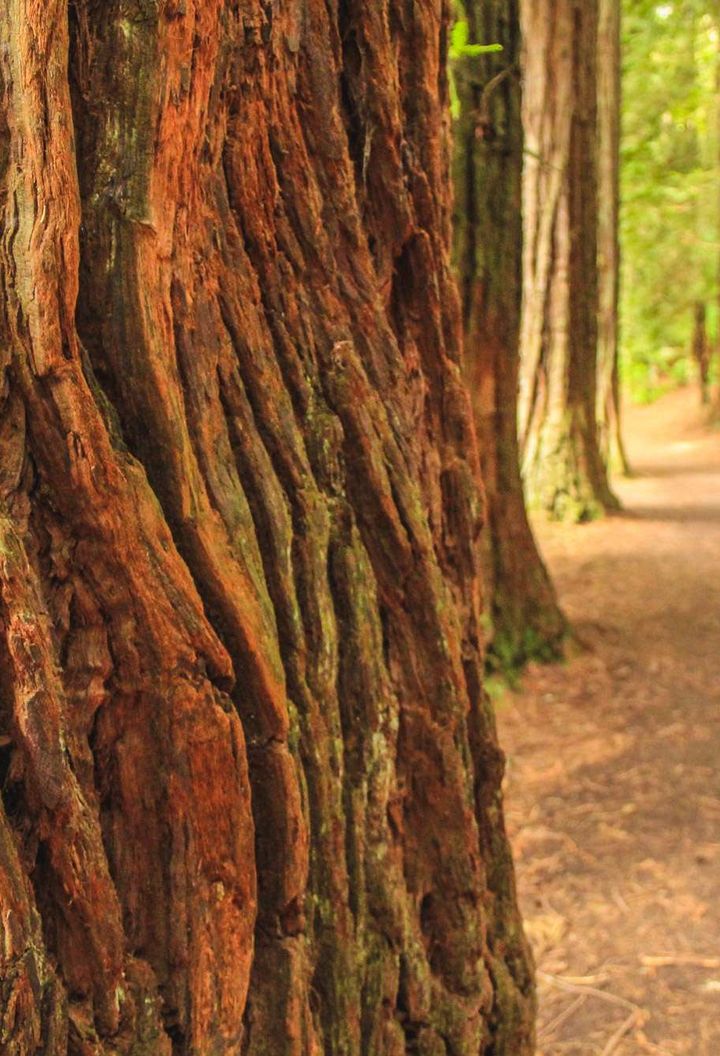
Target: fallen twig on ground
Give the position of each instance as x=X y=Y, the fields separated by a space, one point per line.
x=677 y=960
x=549 y=1029
x=581 y=988
x=634 y=1019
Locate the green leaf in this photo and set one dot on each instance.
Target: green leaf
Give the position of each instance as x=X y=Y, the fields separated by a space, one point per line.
x=459 y=46
x=459 y=36
x=481 y=49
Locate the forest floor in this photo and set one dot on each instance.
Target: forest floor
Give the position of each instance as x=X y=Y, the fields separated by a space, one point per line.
x=613 y=786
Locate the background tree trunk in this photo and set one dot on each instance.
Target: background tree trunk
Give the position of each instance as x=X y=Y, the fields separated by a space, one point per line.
x=716 y=348
x=251 y=795
x=701 y=350
x=562 y=465
x=488 y=143
x=609 y=96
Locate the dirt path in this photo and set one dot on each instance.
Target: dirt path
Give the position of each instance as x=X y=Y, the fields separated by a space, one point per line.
x=613 y=788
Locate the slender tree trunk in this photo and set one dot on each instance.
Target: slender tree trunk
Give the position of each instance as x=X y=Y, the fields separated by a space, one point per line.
x=701 y=350
x=609 y=98
x=562 y=464
x=716 y=13
x=526 y=620
x=251 y=796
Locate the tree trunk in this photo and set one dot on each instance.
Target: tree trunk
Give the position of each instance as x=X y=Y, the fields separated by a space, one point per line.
x=488 y=143
x=562 y=465
x=609 y=95
x=701 y=350
x=716 y=347
x=251 y=796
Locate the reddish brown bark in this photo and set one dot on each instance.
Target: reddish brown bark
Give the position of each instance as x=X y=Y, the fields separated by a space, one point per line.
x=251 y=796
x=562 y=464
x=488 y=143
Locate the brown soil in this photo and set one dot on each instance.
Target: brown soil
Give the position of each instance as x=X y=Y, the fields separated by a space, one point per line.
x=613 y=788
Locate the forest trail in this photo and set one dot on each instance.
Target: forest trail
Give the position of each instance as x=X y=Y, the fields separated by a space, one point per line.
x=613 y=787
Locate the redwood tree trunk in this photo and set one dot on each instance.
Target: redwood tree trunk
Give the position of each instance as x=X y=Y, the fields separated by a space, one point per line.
x=609 y=96
x=251 y=796
x=488 y=145
x=562 y=464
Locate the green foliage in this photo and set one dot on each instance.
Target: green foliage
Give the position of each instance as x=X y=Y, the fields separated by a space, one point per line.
x=462 y=48
x=460 y=42
x=670 y=198
x=511 y=650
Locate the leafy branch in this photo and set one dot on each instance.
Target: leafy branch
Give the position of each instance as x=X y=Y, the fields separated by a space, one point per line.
x=461 y=48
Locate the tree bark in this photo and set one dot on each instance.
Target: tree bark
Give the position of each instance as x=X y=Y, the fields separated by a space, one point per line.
x=488 y=145
x=562 y=464
x=701 y=350
x=251 y=797
x=609 y=99
x=716 y=349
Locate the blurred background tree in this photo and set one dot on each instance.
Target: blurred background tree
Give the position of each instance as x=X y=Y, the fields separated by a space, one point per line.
x=564 y=472
x=670 y=219
x=524 y=620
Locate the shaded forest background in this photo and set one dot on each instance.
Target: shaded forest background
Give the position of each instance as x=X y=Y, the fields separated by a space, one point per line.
x=587 y=248
x=670 y=200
